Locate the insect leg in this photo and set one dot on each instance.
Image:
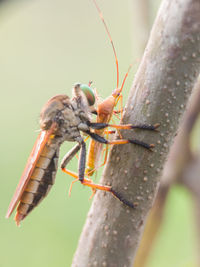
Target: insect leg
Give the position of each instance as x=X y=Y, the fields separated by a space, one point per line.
x=102 y=140
x=98 y=126
x=66 y=160
x=82 y=160
x=81 y=173
x=81 y=169
x=69 y=155
x=108 y=189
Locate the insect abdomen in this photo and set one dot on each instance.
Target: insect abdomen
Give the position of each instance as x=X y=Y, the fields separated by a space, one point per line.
x=40 y=182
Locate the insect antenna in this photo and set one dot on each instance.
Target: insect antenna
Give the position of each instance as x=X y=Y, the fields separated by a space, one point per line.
x=109 y=36
x=118 y=94
x=126 y=75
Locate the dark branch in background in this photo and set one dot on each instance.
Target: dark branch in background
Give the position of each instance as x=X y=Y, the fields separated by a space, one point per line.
x=159 y=94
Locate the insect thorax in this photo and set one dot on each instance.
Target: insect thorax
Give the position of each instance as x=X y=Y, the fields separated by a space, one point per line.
x=71 y=116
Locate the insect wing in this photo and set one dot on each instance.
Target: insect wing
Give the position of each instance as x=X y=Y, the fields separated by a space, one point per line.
x=38 y=147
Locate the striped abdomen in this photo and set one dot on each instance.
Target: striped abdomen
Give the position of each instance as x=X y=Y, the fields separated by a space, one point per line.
x=41 y=180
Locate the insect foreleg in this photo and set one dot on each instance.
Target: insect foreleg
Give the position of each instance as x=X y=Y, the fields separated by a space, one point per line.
x=102 y=140
x=98 y=126
x=68 y=156
x=82 y=160
x=81 y=169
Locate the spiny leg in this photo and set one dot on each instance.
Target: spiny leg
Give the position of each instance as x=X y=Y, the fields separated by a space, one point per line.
x=93 y=186
x=109 y=189
x=125 y=126
x=80 y=177
x=102 y=140
x=87 y=182
x=98 y=126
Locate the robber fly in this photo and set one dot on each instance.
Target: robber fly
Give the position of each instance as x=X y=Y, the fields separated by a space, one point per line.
x=61 y=119
x=66 y=119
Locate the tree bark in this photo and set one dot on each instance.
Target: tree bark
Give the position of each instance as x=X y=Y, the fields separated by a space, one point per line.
x=183 y=167
x=159 y=94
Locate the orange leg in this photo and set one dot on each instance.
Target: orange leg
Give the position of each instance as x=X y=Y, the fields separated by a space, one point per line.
x=130 y=126
x=74 y=175
x=136 y=142
x=99 y=126
x=94 y=187
x=87 y=182
x=102 y=140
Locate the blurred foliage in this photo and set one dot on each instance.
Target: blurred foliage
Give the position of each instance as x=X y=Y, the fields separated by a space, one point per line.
x=47 y=46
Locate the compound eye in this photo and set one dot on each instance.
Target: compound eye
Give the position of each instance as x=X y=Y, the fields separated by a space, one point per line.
x=88 y=93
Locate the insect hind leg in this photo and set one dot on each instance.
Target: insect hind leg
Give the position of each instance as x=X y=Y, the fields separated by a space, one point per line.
x=88 y=182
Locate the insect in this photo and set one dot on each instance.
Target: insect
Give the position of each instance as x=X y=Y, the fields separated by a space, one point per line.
x=104 y=111
x=64 y=119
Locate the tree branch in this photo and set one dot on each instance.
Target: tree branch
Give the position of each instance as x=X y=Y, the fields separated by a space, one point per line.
x=182 y=167
x=159 y=94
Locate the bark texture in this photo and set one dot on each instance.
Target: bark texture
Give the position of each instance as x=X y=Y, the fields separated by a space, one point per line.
x=182 y=167
x=159 y=94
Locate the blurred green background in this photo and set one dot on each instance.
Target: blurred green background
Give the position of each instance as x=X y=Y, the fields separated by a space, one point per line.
x=45 y=47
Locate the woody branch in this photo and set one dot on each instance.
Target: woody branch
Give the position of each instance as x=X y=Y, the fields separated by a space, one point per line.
x=160 y=92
